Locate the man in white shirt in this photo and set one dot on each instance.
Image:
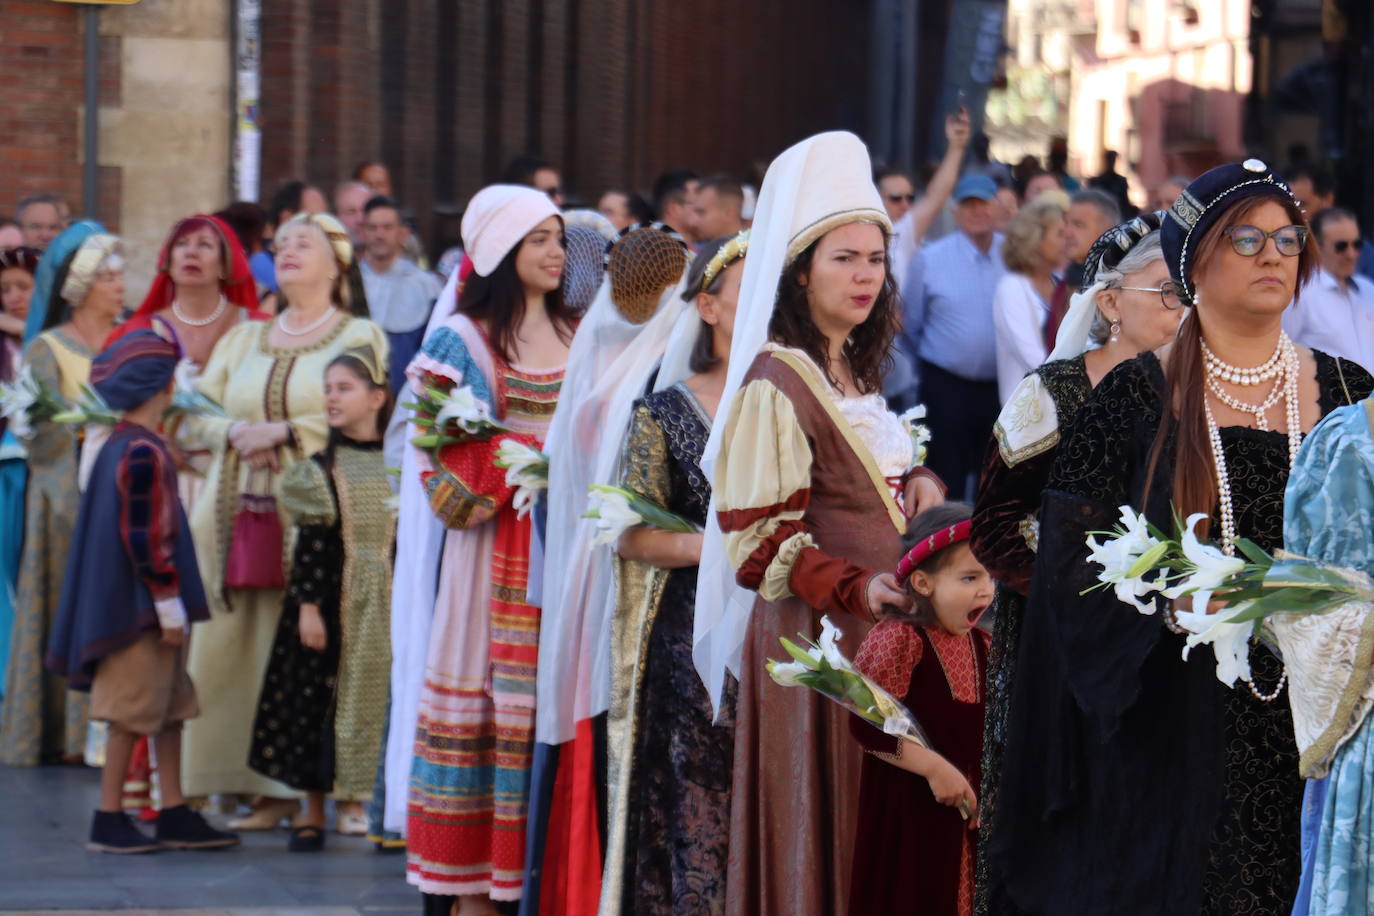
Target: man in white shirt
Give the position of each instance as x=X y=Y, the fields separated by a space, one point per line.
x=1335 y=311
x=400 y=294
x=911 y=221
x=948 y=326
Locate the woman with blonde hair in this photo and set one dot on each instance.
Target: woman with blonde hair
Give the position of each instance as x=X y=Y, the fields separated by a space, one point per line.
x=1034 y=250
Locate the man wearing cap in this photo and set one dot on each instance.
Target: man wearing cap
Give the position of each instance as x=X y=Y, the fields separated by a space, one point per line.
x=948 y=327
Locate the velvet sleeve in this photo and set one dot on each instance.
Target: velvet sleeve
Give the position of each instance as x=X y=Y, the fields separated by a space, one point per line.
x=1005 y=532
x=763 y=488
x=148 y=527
x=1101 y=642
x=318 y=549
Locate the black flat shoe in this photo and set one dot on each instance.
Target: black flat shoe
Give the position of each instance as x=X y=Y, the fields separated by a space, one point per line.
x=182 y=828
x=306 y=839
x=114 y=832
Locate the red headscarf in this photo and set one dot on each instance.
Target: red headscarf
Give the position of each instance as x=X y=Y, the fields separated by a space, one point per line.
x=239 y=288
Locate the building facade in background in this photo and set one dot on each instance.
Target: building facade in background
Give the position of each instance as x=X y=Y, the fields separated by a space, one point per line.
x=446 y=91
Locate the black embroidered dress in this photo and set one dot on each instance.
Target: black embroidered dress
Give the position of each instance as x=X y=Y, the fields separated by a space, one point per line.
x=1019 y=459
x=671 y=766
x=1135 y=782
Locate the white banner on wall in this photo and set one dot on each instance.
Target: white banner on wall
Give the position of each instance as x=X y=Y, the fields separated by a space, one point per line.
x=248 y=77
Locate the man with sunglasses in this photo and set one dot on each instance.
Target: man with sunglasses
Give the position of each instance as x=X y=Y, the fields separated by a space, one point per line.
x=1335 y=310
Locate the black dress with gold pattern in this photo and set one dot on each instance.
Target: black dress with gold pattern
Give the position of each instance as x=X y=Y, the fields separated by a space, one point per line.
x=1134 y=782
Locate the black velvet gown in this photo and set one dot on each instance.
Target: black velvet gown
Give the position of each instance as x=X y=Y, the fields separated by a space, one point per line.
x=1134 y=782
x=1003 y=538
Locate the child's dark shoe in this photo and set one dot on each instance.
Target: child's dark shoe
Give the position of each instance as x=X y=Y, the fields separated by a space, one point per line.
x=114 y=831
x=306 y=838
x=182 y=828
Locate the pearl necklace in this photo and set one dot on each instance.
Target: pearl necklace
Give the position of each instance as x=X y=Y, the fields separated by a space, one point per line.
x=312 y=326
x=1237 y=375
x=199 y=322
x=1277 y=369
x=1285 y=372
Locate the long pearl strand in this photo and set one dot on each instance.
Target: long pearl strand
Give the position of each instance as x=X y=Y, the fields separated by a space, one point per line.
x=1283 y=367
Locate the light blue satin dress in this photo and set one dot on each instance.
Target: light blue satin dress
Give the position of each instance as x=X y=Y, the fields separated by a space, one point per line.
x=1329 y=516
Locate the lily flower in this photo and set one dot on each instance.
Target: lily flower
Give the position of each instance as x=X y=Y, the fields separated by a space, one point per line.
x=787 y=674
x=611 y=510
x=464 y=408
x=919 y=432
x=1127 y=557
x=1210 y=568
x=829 y=645
x=1230 y=642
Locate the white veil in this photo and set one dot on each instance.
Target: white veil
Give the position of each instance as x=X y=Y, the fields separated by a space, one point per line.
x=820 y=183
x=419 y=542
x=609 y=368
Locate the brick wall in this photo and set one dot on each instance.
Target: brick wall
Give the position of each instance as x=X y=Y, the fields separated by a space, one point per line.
x=446 y=91
x=41 y=76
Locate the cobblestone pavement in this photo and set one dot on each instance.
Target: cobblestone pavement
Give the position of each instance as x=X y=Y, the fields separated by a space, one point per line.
x=45 y=816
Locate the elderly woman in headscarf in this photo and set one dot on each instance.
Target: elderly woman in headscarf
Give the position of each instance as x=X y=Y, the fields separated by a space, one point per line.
x=82 y=272
x=269 y=377
x=202 y=289
x=17 y=266
x=1127 y=305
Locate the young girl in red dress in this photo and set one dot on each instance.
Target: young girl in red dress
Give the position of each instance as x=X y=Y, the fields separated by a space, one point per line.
x=916 y=840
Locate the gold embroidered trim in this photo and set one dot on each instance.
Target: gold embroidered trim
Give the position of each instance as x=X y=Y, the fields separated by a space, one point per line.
x=810 y=233
x=265 y=334
x=1029 y=528
x=1014 y=456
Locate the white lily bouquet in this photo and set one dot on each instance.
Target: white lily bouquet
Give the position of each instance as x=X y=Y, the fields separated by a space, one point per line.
x=26 y=401
x=1140 y=562
x=450 y=414
x=822 y=667
x=527 y=469
x=90 y=407
x=919 y=432
x=617 y=510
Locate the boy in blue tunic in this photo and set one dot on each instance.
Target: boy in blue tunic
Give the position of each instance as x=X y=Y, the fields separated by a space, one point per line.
x=131 y=590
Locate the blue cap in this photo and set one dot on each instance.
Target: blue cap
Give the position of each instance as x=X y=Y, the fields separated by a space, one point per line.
x=977 y=185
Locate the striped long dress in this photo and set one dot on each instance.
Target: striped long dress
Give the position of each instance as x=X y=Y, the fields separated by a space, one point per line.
x=474 y=737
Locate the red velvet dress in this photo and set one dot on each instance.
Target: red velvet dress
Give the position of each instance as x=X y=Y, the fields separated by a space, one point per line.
x=913 y=854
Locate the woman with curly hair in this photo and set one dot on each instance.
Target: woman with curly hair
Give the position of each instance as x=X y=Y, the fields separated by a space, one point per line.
x=814 y=483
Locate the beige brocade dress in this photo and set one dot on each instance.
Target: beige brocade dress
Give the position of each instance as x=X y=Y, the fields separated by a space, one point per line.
x=255 y=382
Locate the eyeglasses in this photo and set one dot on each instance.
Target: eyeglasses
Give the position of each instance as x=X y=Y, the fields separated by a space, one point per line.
x=1248 y=241
x=554 y=192
x=1343 y=244
x=899 y=198
x=1168 y=293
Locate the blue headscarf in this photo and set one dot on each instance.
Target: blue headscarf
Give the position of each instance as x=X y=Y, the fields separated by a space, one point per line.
x=59 y=249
